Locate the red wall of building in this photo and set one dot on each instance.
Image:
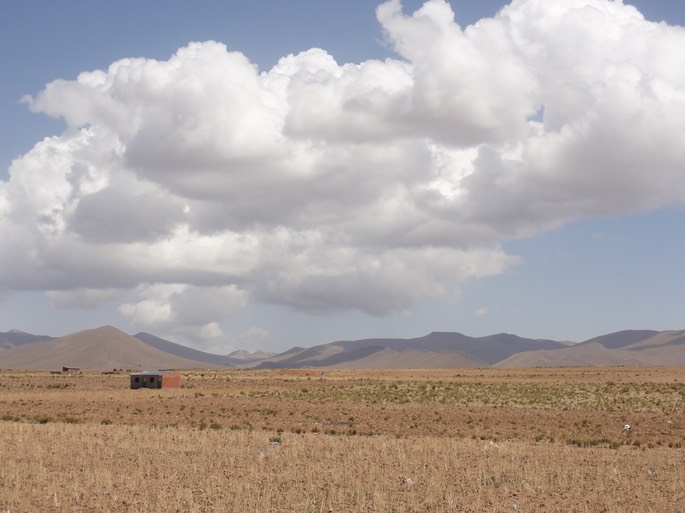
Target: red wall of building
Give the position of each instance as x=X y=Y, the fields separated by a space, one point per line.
x=171 y=380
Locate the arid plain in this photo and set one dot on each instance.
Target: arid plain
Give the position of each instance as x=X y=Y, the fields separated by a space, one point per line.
x=556 y=439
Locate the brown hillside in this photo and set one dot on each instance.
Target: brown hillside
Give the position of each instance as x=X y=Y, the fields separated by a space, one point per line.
x=413 y=359
x=102 y=348
x=662 y=339
x=585 y=355
x=662 y=348
x=16 y=338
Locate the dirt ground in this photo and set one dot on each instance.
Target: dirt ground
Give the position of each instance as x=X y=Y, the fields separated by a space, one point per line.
x=535 y=440
x=580 y=406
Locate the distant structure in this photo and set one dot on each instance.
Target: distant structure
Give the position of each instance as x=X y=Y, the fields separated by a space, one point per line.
x=156 y=379
x=70 y=369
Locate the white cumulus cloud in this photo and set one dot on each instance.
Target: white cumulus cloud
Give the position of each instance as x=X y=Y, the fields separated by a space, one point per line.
x=191 y=187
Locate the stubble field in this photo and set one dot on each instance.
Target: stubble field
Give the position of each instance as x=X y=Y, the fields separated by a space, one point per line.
x=358 y=441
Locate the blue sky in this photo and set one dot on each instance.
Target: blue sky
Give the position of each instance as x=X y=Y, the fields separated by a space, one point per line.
x=460 y=185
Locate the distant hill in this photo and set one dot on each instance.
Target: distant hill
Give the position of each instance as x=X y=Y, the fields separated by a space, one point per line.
x=190 y=353
x=16 y=338
x=628 y=347
x=183 y=351
x=244 y=355
x=107 y=348
x=453 y=350
x=97 y=349
x=620 y=339
x=386 y=358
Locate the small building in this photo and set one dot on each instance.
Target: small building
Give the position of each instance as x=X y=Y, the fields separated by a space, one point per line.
x=70 y=369
x=156 y=379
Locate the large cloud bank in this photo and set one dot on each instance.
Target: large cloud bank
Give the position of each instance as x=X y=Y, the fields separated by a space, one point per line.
x=189 y=188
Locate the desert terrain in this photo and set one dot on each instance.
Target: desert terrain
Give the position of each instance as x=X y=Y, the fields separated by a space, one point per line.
x=552 y=439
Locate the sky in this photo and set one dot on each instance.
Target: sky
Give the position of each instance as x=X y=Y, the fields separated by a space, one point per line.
x=266 y=174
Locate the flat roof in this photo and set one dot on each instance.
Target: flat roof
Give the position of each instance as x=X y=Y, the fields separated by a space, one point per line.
x=153 y=373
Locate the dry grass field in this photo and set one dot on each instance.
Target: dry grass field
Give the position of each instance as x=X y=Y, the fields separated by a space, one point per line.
x=355 y=441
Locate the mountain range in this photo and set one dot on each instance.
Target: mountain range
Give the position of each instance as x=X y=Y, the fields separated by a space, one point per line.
x=107 y=348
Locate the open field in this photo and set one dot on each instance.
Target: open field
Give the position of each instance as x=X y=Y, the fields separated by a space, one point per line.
x=376 y=441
